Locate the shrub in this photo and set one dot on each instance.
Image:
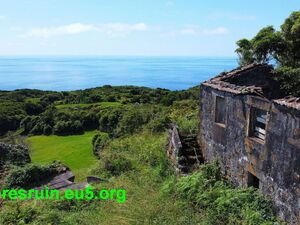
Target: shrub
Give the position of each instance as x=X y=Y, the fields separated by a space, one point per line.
x=109 y=120
x=220 y=202
x=30 y=175
x=28 y=123
x=289 y=79
x=187 y=125
x=90 y=121
x=168 y=99
x=116 y=164
x=51 y=218
x=134 y=119
x=50 y=98
x=11 y=114
x=47 y=130
x=100 y=140
x=13 y=155
x=69 y=127
x=185 y=114
x=111 y=98
x=37 y=129
x=16 y=214
x=159 y=124
x=33 y=108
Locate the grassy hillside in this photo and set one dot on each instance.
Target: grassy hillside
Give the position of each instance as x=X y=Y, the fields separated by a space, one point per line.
x=154 y=195
x=131 y=158
x=74 y=151
x=145 y=203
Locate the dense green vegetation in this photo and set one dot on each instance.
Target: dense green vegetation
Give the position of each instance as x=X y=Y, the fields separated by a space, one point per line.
x=117 y=133
x=280 y=46
x=128 y=144
x=218 y=201
x=63 y=113
x=30 y=175
x=100 y=140
x=14 y=156
x=154 y=194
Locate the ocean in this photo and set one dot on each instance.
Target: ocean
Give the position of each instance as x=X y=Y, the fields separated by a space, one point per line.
x=73 y=73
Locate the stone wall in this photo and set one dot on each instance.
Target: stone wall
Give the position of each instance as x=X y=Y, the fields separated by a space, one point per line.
x=275 y=162
x=174 y=144
x=184 y=151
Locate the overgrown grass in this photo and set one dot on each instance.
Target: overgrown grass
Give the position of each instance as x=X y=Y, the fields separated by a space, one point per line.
x=74 y=151
x=219 y=202
x=185 y=114
x=154 y=194
x=144 y=203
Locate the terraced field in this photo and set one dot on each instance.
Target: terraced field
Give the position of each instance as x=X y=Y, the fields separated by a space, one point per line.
x=74 y=151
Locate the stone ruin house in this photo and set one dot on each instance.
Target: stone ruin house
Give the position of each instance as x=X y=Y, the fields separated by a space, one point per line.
x=254 y=132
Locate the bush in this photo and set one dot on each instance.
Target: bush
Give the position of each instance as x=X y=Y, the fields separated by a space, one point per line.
x=220 y=202
x=30 y=175
x=109 y=120
x=47 y=130
x=159 y=124
x=111 y=98
x=28 y=123
x=16 y=214
x=187 y=125
x=90 y=121
x=116 y=164
x=37 y=125
x=69 y=127
x=99 y=141
x=11 y=114
x=50 y=98
x=185 y=114
x=289 y=79
x=134 y=119
x=17 y=155
x=33 y=108
x=38 y=128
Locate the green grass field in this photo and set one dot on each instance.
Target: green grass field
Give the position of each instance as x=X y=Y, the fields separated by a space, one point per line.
x=74 y=151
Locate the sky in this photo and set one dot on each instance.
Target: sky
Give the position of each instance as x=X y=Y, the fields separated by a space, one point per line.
x=135 y=27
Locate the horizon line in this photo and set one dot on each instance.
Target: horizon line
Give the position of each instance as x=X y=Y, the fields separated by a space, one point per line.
x=121 y=55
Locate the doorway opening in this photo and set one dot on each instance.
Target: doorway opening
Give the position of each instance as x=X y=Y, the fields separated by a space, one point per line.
x=253 y=181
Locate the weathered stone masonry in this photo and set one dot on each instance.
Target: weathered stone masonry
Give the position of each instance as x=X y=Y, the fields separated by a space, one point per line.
x=265 y=154
x=183 y=151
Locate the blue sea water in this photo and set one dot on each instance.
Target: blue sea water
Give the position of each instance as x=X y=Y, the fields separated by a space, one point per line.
x=73 y=73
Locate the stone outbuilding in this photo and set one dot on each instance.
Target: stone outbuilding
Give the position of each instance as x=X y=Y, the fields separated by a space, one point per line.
x=253 y=130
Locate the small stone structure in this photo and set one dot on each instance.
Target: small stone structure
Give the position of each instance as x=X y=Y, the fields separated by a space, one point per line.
x=184 y=151
x=95 y=180
x=63 y=181
x=253 y=130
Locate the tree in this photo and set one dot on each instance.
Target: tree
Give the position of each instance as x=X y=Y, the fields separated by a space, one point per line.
x=33 y=108
x=109 y=119
x=291 y=34
x=281 y=46
x=245 y=52
x=268 y=44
